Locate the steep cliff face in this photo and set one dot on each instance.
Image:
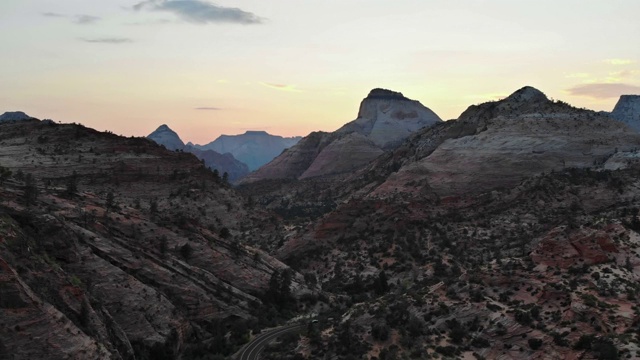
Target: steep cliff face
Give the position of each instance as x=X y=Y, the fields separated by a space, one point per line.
x=384 y=120
x=627 y=110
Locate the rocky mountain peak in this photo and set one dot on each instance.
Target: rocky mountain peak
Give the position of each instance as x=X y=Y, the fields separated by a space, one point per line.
x=387 y=117
x=527 y=94
x=167 y=137
x=627 y=110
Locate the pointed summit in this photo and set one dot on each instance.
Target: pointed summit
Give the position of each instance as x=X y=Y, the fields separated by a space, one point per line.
x=527 y=94
x=167 y=137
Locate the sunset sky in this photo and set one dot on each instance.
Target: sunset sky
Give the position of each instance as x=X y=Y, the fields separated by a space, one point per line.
x=292 y=66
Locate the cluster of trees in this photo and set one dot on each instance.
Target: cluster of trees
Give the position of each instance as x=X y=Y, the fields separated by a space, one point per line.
x=279 y=291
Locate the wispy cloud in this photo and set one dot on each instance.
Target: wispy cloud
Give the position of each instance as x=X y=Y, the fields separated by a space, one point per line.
x=200 y=12
x=85 y=19
x=603 y=90
x=281 y=87
x=619 y=61
x=81 y=19
x=107 y=40
x=208 y=108
x=52 y=14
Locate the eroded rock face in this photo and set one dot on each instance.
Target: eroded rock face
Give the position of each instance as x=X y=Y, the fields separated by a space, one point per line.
x=627 y=110
x=351 y=150
x=385 y=119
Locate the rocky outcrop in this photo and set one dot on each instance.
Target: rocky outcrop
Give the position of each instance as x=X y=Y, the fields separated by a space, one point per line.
x=499 y=143
x=627 y=110
x=254 y=148
x=163 y=135
x=384 y=120
x=387 y=118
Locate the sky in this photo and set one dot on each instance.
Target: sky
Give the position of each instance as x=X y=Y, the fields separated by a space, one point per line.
x=290 y=67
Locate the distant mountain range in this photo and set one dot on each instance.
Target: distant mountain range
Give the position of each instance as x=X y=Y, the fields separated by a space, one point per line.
x=254 y=148
x=236 y=155
x=223 y=163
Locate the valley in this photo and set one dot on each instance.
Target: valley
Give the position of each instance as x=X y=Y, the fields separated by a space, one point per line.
x=511 y=232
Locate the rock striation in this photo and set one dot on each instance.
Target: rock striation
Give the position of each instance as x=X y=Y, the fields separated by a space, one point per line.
x=627 y=110
x=117 y=248
x=497 y=144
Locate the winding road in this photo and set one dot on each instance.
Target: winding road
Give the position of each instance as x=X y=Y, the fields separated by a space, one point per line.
x=254 y=348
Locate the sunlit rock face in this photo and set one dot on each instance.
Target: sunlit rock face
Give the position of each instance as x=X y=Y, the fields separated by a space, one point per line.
x=627 y=110
x=387 y=117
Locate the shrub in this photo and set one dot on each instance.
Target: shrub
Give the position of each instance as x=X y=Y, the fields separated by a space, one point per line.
x=535 y=344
